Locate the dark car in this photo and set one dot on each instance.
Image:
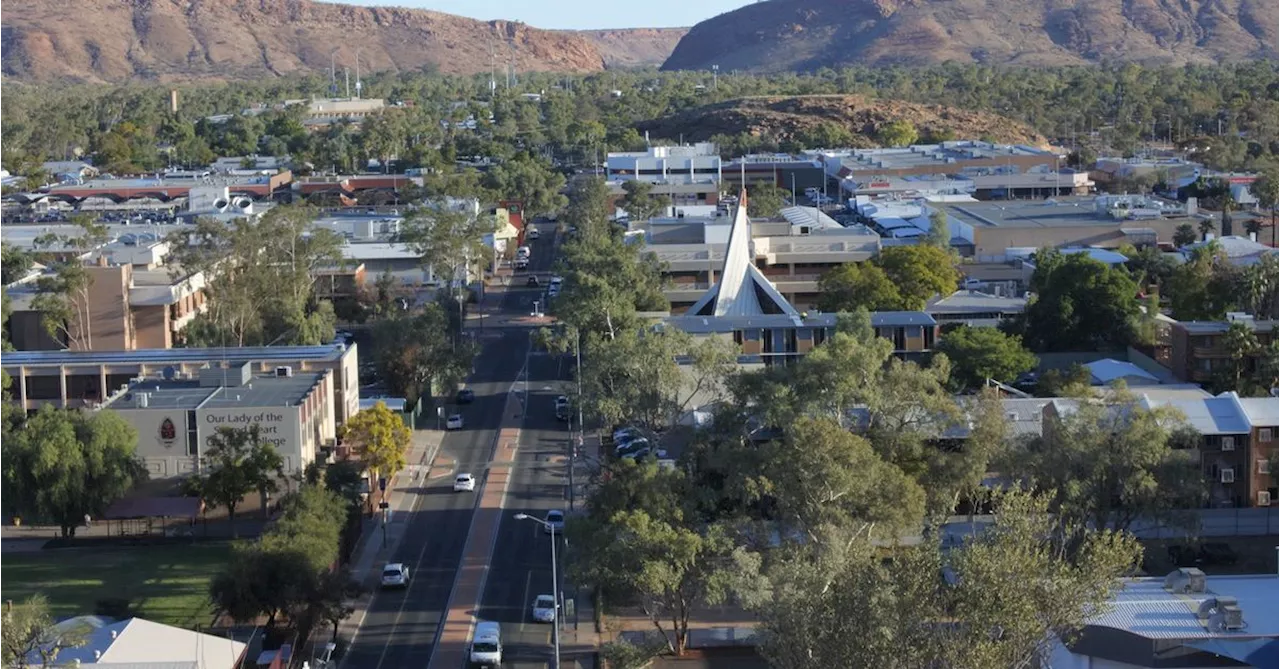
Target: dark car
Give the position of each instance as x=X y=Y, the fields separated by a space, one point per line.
x=533 y=281
x=466 y=396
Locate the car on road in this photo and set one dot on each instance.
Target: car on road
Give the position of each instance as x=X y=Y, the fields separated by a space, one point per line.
x=555 y=522
x=486 y=644
x=562 y=407
x=524 y=252
x=544 y=609
x=464 y=483
x=556 y=282
x=532 y=234
x=395 y=575
x=466 y=396
x=533 y=281
x=454 y=422
x=522 y=263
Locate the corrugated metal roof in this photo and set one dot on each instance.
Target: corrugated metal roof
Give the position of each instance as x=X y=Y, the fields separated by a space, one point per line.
x=1261 y=411
x=1107 y=370
x=138 y=643
x=1211 y=415
x=1144 y=608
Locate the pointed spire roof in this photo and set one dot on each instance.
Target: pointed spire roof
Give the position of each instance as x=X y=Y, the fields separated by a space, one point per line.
x=742 y=290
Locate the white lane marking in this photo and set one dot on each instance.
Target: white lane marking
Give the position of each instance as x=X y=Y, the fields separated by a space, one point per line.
x=528 y=580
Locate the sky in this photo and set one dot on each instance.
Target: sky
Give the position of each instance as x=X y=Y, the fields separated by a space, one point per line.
x=576 y=14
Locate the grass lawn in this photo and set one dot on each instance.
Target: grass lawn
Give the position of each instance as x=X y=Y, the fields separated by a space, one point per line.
x=165 y=583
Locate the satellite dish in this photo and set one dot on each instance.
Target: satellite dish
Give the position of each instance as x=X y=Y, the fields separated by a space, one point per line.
x=169 y=373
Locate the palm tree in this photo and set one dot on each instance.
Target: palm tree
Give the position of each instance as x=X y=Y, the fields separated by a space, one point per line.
x=1206 y=227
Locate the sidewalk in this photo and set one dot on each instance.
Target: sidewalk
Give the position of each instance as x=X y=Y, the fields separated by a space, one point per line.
x=370 y=553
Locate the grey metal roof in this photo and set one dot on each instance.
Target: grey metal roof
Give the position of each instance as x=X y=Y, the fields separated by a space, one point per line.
x=261 y=391
x=704 y=324
x=1143 y=607
x=1261 y=411
x=971 y=301
x=154 y=356
x=1212 y=415
x=1219 y=327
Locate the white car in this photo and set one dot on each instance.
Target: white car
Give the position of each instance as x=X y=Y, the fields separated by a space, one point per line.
x=544 y=609
x=395 y=575
x=464 y=483
x=555 y=522
x=453 y=422
x=562 y=407
x=523 y=253
x=532 y=234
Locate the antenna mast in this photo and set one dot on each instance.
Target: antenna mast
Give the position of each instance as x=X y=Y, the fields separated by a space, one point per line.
x=357 y=74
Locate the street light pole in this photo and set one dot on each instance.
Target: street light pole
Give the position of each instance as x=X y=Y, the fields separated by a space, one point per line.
x=582 y=432
x=555 y=585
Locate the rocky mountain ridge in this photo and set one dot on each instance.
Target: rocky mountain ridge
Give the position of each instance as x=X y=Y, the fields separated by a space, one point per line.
x=806 y=35
x=182 y=40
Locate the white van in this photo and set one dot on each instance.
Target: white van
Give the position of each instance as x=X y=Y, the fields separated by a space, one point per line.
x=486 y=645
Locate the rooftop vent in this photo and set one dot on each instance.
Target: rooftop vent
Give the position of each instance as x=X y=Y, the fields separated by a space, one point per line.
x=1221 y=614
x=1185 y=580
x=144 y=400
x=284 y=371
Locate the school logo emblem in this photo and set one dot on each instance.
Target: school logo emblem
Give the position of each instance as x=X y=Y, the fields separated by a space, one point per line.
x=168 y=433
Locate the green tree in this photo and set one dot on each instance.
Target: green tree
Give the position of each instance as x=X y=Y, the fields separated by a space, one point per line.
x=62 y=295
x=1266 y=187
x=14 y=263
x=939 y=230
x=381 y=438
x=1109 y=463
x=1074 y=381
x=261 y=286
x=1080 y=304
x=416 y=355
x=1206 y=228
x=897 y=133
x=29 y=637
x=450 y=242
x=919 y=272
x=765 y=200
x=63 y=465
x=530 y=181
x=238 y=463
x=1241 y=347
x=981 y=353
x=1185 y=234
x=639 y=201
x=669 y=569
x=854 y=286
x=909 y=616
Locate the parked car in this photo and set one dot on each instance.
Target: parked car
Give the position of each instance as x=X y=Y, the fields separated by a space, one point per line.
x=464 y=483
x=544 y=609
x=466 y=396
x=454 y=422
x=629 y=442
x=524 y=252
x=395 y=575
x=562 y=407
x=522 y=263
x=644 y=452
x=624 y=431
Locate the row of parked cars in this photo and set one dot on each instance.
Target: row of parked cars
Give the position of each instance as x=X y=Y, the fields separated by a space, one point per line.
x=632 y=443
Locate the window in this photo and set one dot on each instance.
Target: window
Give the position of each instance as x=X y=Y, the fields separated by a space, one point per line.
x=1264 y=466
x=1228 y=475
x=1264 y=435
x=1228 y=443
x=1264 y=498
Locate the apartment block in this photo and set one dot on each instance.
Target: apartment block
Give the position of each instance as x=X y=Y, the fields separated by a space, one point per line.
x=1196 y=350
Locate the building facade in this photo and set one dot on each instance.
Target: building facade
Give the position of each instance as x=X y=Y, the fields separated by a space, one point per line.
x=697 y=164
x=176 y=419
x=73 y=379
x=1197 y=351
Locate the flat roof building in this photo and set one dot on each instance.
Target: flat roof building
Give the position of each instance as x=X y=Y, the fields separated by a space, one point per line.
x=697 y=164
x=1104 y=221
x=86 y=378
x=175 y=418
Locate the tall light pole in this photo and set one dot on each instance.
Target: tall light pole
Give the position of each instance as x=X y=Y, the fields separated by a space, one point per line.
x=555 y=586
x=582 y=432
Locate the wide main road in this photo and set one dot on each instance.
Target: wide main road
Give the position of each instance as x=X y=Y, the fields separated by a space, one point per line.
x=401 y=626
x=521 y=566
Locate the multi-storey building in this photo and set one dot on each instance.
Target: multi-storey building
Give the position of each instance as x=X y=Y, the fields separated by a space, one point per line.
x=1196 y=350
x=695 y=164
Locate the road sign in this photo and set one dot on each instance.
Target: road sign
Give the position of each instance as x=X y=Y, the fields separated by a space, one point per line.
x=382 y=483
x=384 y=505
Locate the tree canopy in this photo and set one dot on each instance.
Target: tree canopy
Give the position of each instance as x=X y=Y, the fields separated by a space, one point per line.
x=380 y=437
x=981 y=353
x=1080 y=304
x=238 y=461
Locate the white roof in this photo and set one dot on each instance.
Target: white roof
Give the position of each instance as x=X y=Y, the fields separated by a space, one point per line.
x=1107 y=370
x=741 y=284
x=378 y=251
x=1239 y=250
x=1143 y=607
x=1212 y=415
x=137 y=642
x=1261 y=411
x=810 y=216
